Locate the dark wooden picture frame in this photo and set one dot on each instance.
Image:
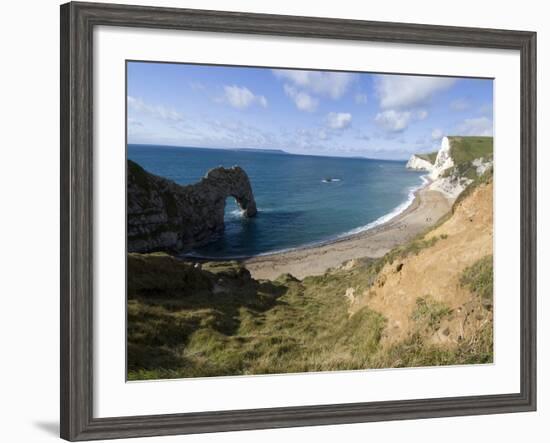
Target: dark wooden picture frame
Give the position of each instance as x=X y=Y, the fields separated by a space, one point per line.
x=77 y=23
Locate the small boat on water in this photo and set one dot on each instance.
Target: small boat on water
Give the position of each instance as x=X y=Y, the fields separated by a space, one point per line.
x=330 y=180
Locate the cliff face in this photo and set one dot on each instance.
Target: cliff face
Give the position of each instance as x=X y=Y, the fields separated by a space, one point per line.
x=164 y=216
x=433 y=281
x=450 y=185
x=443 y=160
x=459 y=161
x=419 y=164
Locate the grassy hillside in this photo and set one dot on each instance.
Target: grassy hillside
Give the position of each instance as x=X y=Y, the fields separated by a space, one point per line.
x=429 y=157
x=232 y=324
x=446 y=278
x=466 y=149
x=411 y=307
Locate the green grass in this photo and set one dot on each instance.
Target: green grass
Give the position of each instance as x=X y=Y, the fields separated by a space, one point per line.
x=416 y=352
x=230 y=324
x=186 y=320
x=466 y=149
x=478 y=278
x=429 y=157
x=430 y=312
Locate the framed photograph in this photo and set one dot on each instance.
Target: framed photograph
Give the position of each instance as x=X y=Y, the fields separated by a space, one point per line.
x=272 y=221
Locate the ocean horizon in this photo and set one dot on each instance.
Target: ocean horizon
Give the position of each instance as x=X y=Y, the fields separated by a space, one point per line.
x=302 y=200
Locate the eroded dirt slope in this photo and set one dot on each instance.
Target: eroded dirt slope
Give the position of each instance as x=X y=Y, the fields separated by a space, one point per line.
x=423 y=293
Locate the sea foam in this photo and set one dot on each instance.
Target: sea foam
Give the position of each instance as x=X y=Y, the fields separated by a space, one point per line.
x=390 y=215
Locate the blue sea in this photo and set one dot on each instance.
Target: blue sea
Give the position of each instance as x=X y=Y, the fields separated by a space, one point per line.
x=302 y=200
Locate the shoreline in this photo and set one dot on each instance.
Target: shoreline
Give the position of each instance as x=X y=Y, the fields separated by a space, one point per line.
x=426 y=208
x=369 y=227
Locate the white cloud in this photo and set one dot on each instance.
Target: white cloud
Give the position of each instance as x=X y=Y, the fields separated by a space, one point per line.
x=241 y=98
x=329 y=84
x=197 y=86
x=234 y=133
x=421 y=114
x=302 y=100
x=323 y=135
x=393 y=121
x=406 y=92
x=476 y=126
x=135 y=128
x=157 y=111
x=437 y=134
x=361 y=98
x=338 y=120
x=460 y=104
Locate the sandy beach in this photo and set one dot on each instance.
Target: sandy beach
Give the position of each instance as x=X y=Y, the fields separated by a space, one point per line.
x=425 y=210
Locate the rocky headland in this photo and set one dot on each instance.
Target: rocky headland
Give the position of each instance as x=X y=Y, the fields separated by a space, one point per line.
x=457 y=163
x=419 y=163
x=165 y=216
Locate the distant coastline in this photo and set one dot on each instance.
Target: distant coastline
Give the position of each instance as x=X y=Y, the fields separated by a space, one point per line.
x=272 y=151
x=265 y=151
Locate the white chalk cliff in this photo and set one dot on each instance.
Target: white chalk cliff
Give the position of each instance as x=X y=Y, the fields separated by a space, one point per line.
x=415 y=162
x=443 y=175
x=443 y=161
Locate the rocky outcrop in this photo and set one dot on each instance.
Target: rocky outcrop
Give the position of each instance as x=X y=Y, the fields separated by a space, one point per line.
x=450 y=177
x=443 y=160
x=164 y=216
x=450 y=186
x=419 y=164
x=482 y=165
x=451 y=183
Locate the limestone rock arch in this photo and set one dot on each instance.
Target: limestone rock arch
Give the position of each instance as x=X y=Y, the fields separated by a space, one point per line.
x=165 y=216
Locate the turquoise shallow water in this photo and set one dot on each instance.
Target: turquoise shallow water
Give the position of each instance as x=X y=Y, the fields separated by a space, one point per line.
x=296 y=204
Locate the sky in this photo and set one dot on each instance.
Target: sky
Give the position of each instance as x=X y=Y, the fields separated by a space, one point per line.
x=310 y=112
